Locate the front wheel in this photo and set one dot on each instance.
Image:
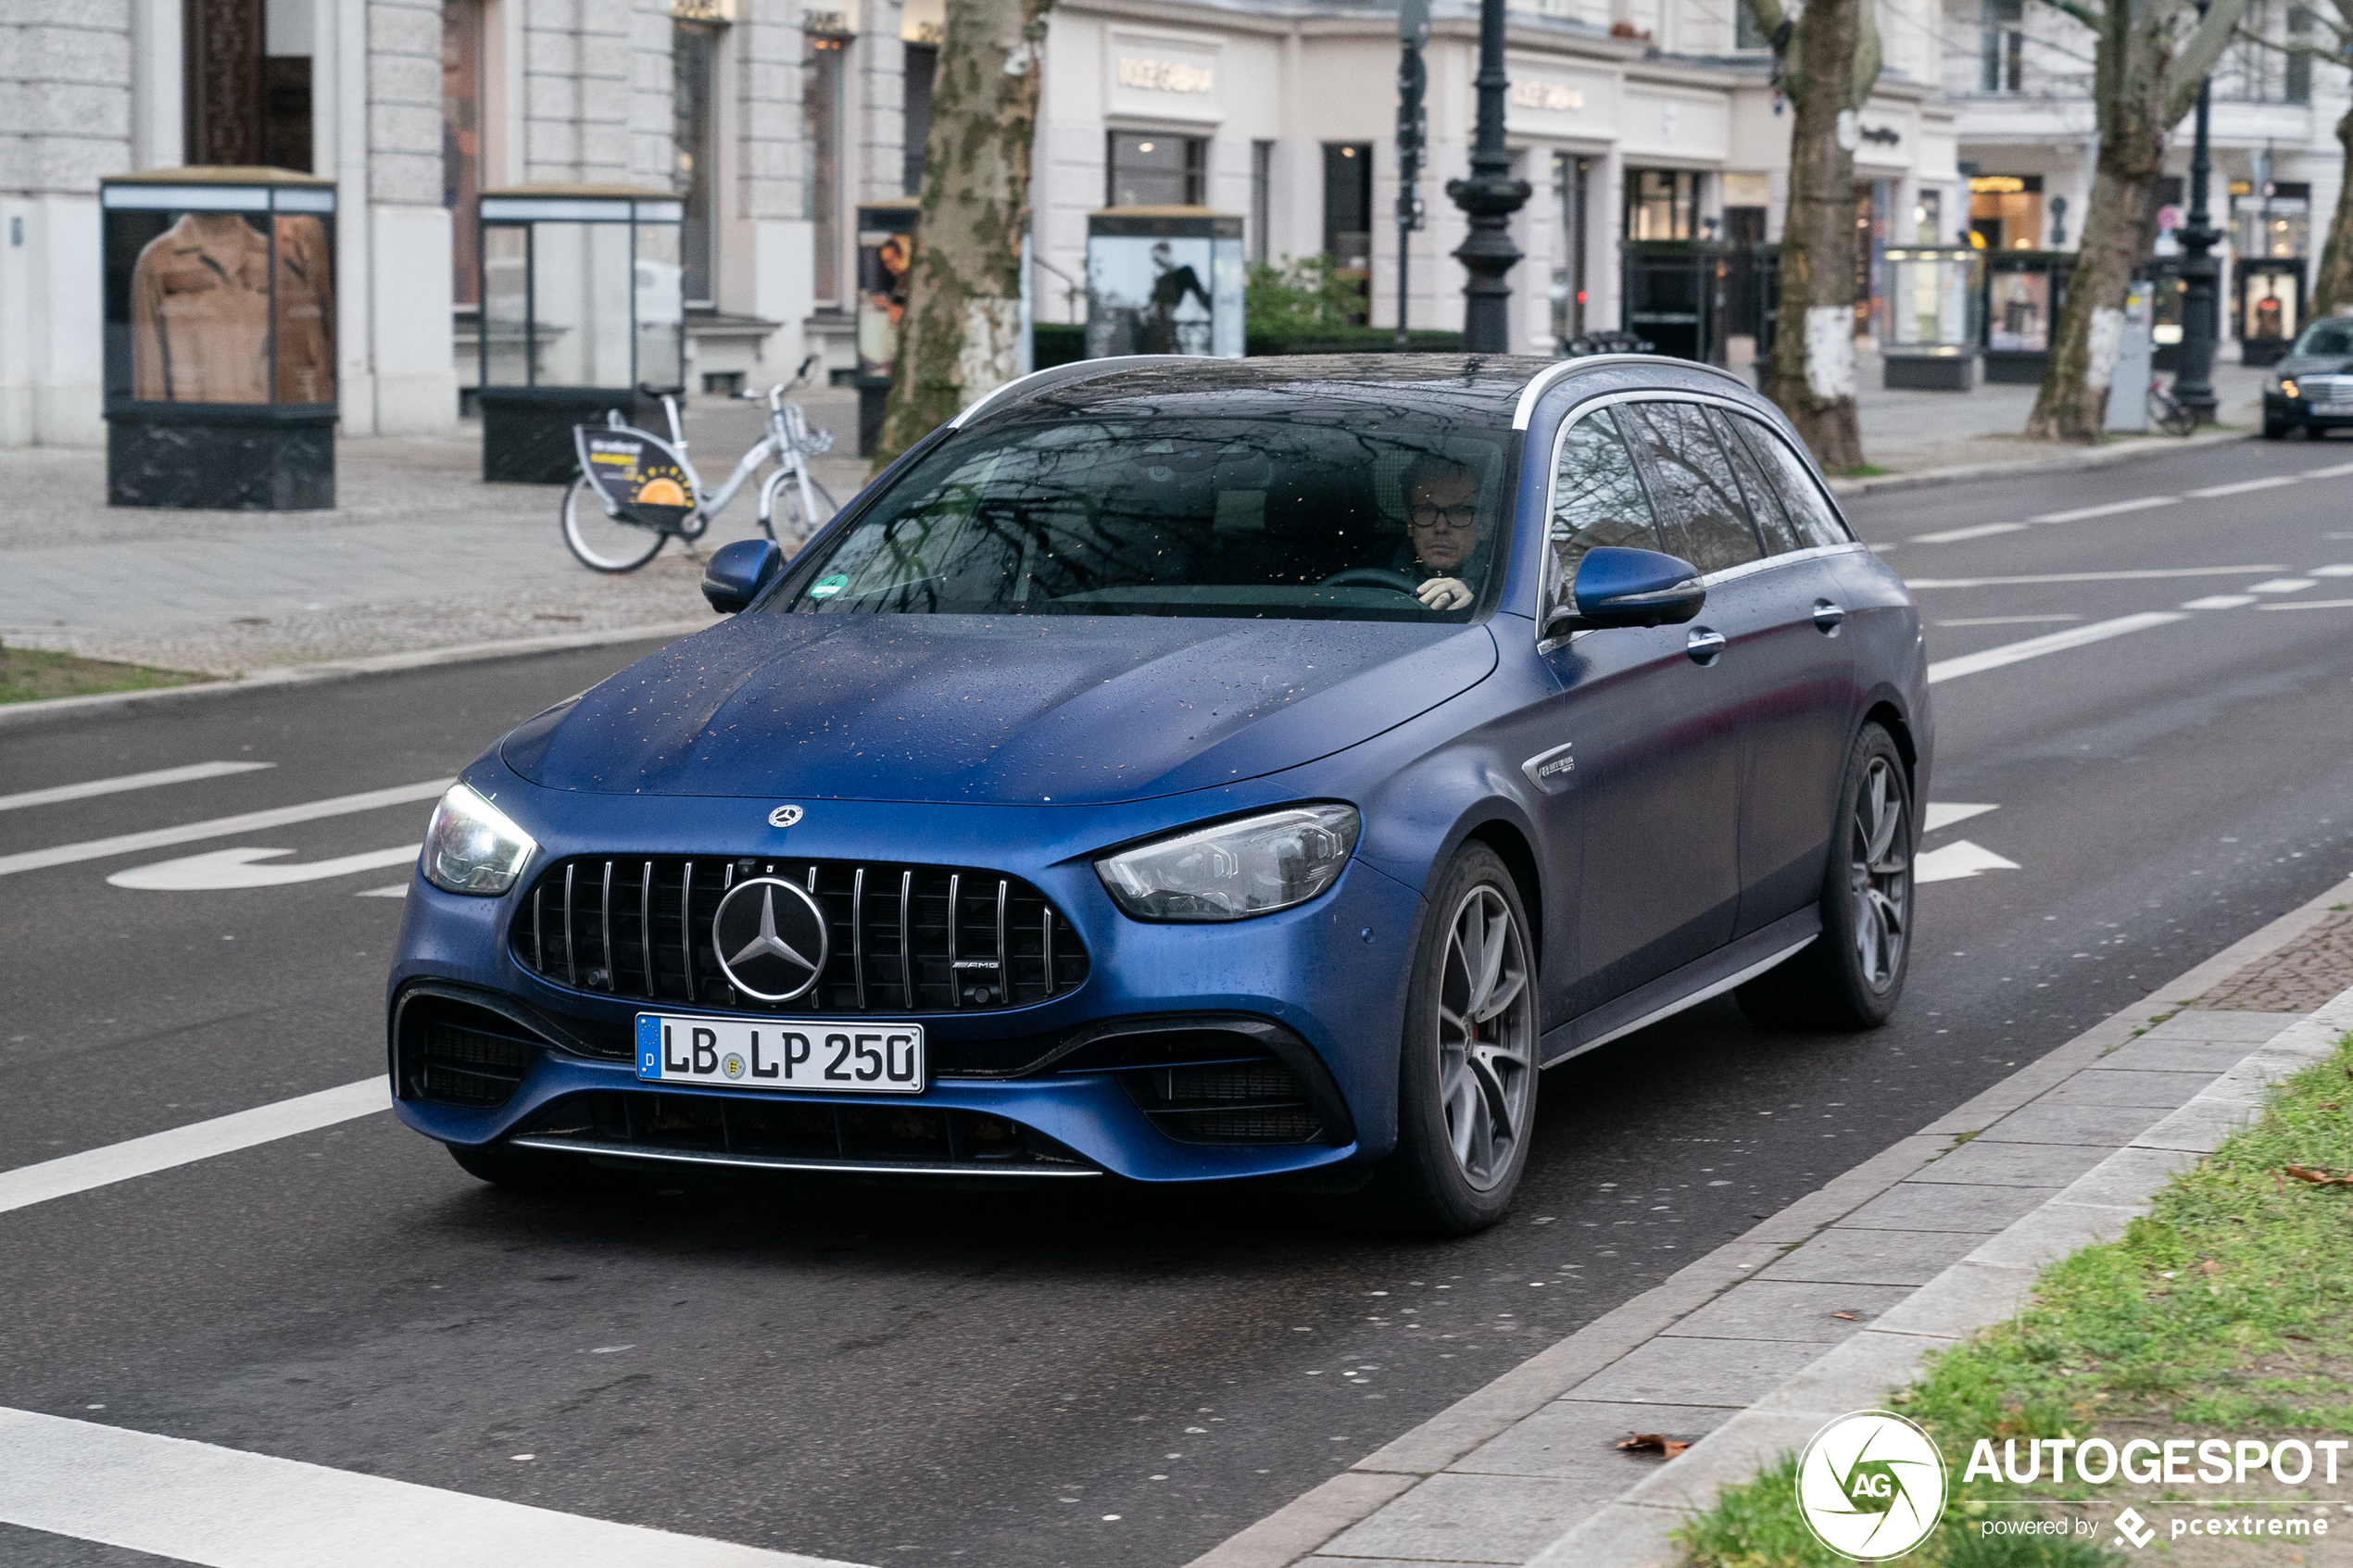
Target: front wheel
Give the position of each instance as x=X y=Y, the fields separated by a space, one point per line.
x=1850 y=977
x=601 y=542
x=1468 y=1073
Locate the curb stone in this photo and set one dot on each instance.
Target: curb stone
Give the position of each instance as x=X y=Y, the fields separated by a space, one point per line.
x=1618 y=1530
x=106 y=704
x=1982 y=1289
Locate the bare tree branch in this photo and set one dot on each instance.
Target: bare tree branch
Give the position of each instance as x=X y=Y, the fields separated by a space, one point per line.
x=2190 y=65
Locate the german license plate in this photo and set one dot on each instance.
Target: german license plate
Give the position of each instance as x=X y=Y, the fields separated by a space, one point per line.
x=822 y=1055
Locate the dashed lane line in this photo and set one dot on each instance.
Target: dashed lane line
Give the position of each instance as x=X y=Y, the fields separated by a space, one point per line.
x=2056 y=642
x=2135 y=575
x=2220 y=601
x=1981 y=531
x=220 y=827
x=150 y=780
x=2312 y=604
x=2139 y=504
x=226 y=1507
x=2245 y=485
x=70 y=1173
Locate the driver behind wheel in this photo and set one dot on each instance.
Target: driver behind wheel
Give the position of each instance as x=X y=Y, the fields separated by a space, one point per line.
x=1445 y=532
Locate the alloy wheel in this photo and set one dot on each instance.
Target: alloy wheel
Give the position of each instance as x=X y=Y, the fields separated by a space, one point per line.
x=1485 y=1038
x=1880 y=874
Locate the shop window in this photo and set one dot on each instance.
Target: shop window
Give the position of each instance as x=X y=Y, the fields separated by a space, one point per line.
x=1348 y=216
x=2298 y=86
x=1662 y=204
x=1571 y=179
x=2002 y=46
x=694 y=107
x=223 y=47
x=820 y=135
x=1262 y=197
x=1927 y=217
x=1150 y=169
x=286 y=28
x=461 y=141
x=923 y=67
x=2006 y=210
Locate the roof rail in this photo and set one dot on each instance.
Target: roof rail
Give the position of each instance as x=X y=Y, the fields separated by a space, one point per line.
x=1543 y=381
x=1053 y=375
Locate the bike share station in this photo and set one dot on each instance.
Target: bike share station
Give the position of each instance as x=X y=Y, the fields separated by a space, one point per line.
x=583 y=311
x=219 y=346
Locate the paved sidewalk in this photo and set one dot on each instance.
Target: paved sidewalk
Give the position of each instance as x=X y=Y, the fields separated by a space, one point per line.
x=1828 y=1305
x=421 y=554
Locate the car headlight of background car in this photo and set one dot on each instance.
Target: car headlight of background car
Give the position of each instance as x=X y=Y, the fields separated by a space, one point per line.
x=473 y=847
x=1232 y=870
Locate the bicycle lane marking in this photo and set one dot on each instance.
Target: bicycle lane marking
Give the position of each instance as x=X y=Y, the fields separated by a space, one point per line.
x=84 y=791
x=222 y=827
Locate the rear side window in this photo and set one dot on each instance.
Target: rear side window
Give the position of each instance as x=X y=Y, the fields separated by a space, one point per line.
x=1779 y=534
x=1597 y=499
x=1809 y=509
x=1697 y=495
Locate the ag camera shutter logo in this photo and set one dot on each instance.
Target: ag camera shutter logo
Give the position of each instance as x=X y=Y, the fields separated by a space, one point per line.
x=1870 y=1485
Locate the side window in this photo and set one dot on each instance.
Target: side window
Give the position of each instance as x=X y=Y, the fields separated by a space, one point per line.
x=1809 y=510
x=1597 y=499
x=1696 y=492
x=1781 y=535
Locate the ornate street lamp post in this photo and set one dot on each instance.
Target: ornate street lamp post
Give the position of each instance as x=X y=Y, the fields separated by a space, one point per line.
x=2201 y=274
x=1491 y=196
x=1413 y=123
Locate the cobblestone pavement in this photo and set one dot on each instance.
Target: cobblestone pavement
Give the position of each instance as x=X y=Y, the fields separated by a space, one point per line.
x=2298 y=978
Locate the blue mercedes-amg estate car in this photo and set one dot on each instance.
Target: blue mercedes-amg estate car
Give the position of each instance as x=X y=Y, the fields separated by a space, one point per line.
x=1186 y=770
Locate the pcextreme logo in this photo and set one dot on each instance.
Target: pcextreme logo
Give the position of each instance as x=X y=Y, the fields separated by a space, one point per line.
x=1870 y=1485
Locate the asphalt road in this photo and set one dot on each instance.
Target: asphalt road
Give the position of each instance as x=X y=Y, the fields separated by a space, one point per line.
x=928 y=1378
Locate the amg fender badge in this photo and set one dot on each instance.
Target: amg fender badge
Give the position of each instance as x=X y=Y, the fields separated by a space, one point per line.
x=1549 y=770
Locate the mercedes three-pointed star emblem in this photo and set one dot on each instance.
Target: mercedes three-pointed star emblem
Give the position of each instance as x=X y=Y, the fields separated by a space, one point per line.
x=771 y=939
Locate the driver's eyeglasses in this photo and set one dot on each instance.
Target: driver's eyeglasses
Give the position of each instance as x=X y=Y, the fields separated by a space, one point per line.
x=1446 y=519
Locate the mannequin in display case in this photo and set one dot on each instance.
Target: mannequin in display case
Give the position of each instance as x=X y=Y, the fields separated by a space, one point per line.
x=200 y=302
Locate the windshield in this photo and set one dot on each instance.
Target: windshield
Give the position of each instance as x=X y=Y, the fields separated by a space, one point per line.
x=1397 y=518
x=2326 y=337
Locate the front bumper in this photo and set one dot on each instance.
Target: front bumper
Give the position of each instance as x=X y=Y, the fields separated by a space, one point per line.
x=2280 y=409
x=1326 y=982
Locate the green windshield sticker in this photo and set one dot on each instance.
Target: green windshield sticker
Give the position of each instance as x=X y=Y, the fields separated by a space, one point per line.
x=826 y=587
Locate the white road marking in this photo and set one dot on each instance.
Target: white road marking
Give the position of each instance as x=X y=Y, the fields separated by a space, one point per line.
x=1955 y=861
x=2009 y=619
x=2140 y=505
x=235 y=867
x=398 y=890
x=2132 y=576
x=226 y=1507
x=2283 y=586
x=222 y=827
x=2342 y=568
x=187 y=774
x=181 y=1146
x=2034 y=647
x=2221 y=601
x=1944 y=813
x=1955 y=535
x=2312 y=604
x=2340 y=469
x=2243 y=485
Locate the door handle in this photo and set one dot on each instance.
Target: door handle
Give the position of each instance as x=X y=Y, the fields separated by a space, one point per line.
x=1704 y=645
x=1828 y=617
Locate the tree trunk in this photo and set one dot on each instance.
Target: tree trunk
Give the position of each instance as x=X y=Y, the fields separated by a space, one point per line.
x=2332 y=285
x=1829 y=62
x=959 y=338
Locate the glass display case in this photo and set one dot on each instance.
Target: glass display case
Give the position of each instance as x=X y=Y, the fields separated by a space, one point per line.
x=2023 y=292
x=1676 y=297
x=1927 y=333
x=885 y=254
x=582 y=309
x=1163 y=280
x=2269 y=307
x=219 y=346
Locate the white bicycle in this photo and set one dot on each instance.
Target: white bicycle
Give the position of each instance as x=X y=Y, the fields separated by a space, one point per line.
x=636 y=491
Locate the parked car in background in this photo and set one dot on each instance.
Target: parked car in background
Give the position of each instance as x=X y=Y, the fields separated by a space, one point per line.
x=1186 y=770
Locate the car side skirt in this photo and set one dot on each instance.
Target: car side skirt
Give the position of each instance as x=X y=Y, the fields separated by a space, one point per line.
x=1696 y=982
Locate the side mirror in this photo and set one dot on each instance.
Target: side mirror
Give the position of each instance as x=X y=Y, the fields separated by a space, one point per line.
x=1622 y=587
x=738 y=572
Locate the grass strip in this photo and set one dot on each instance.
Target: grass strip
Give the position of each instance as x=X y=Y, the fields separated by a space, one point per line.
x=33 y=674
x=2230 y=1305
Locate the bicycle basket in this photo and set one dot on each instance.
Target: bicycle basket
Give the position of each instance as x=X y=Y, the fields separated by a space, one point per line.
x=815 y=441
x=640 y=478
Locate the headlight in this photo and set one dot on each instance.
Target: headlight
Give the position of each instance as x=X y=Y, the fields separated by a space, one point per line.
x=1234 y=870
x=2287 y=387
x=471 y=847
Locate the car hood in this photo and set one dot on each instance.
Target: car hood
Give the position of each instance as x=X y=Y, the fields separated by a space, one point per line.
x=992 y=710
x=2313 y=365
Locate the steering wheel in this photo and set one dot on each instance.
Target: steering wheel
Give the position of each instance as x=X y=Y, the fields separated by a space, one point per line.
x=1371 y=577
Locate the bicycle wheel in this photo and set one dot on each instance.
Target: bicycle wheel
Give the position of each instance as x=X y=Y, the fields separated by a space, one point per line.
x=601 y=543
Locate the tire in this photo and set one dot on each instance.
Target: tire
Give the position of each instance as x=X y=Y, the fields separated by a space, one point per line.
x=601 y=543
x=1851 y=977
x=1465 y=1099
